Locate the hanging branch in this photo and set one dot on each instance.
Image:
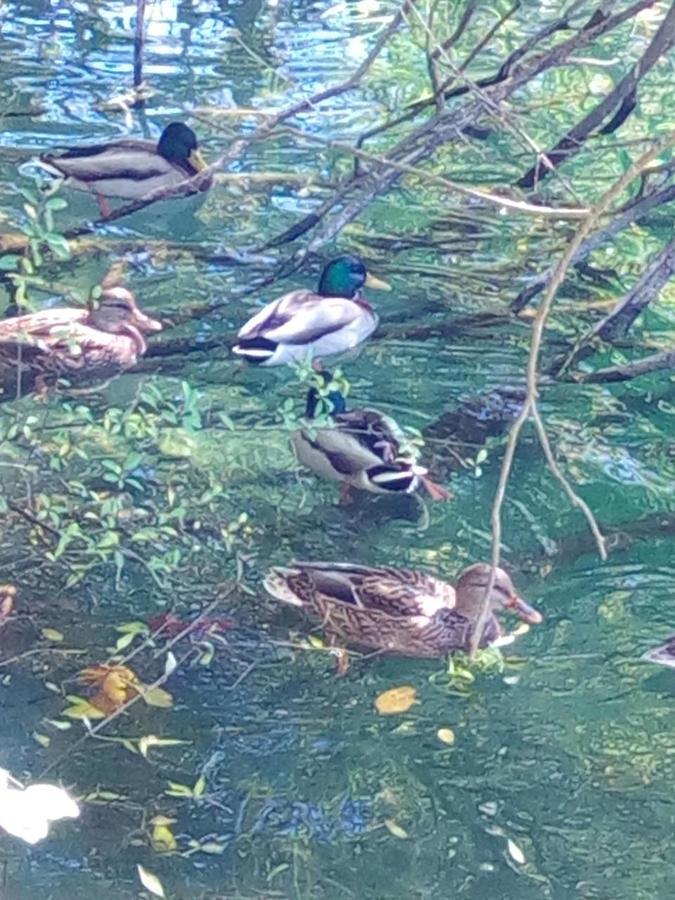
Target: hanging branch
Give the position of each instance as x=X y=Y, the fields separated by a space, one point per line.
x=415 y=108
x=529 y=408
x=444 y=127
x=621 y=100
x=617 y=323
x=632 y=213
x=138 y=51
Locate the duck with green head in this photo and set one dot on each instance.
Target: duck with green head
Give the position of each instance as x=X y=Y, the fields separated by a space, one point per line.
x=333 y=319
x=131 y=168
x=360 y=447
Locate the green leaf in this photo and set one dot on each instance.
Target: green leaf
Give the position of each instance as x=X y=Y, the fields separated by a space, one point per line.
x=178 y=790
x=56 y=204
x=123 y=642
x=8 y=262
x=200 y=787
x=58 y=245
x=51 y=634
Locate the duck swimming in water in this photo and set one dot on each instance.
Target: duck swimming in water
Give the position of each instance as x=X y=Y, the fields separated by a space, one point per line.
x=398 y=611
x=362 y=448
x=74 y=342
x=333 y=319
x=131 y=168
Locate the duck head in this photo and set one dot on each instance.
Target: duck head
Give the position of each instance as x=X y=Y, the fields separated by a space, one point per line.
x=178 y=144
x=345 y=276
x=503 y=596
x=118 y=313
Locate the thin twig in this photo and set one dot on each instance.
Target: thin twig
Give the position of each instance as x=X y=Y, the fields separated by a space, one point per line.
x=555 y=282
x=139 y=37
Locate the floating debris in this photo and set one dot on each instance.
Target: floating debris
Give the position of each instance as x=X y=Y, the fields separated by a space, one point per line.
x=446 y=736
x=396 y=700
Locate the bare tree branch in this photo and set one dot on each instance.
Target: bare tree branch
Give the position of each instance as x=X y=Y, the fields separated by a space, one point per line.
x=632 y=213
x=529 y=406
x=628 y=371
x=621 y=98
x=617 y=323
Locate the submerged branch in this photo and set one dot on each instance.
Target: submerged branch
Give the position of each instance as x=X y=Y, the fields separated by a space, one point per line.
x=628 y=371
x=631 y=213
x=616 y=324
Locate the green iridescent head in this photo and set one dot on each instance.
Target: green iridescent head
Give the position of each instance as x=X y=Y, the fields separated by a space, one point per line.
x=345 y=276
x=178 y=144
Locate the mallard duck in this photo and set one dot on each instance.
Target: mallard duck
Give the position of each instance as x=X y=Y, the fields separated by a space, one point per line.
x=664 y=654
x=332 y=319
x=364 y=449
x=399 y=611
x=131 y=168
x=67 y=341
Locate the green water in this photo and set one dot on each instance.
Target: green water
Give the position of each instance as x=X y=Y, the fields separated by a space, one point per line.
x=568 y=752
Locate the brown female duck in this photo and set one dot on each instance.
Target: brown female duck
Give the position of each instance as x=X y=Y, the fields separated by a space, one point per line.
x=74 y=342
x=399 y=611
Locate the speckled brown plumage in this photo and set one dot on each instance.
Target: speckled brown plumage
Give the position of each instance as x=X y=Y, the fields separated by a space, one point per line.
x=392 y=610
x=73 y=343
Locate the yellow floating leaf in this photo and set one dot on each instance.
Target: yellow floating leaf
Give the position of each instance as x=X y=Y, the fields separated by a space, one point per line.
x=133 y=628
x=157 y=697
x=83 y=710
x=179 y=790
x=58 y=724
x=316 y=642
x=200 y=787
x=43 y=739
x=394 y=828
x=151 y=740
x=150 y=881
x=162 y=820
x=103 y=796
x=446 y=735
x=51 y=634
x=396 y=700
x=162 y=839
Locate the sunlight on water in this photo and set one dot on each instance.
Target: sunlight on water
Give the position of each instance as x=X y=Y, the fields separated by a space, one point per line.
x=560 y=779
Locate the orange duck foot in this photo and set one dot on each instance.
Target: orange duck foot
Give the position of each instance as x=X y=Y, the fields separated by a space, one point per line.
x=435 y=491
x=345 y=494
x=103 y=207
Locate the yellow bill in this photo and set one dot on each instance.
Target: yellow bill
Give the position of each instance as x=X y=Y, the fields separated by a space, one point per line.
x=197 y=161
x=376 y=283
